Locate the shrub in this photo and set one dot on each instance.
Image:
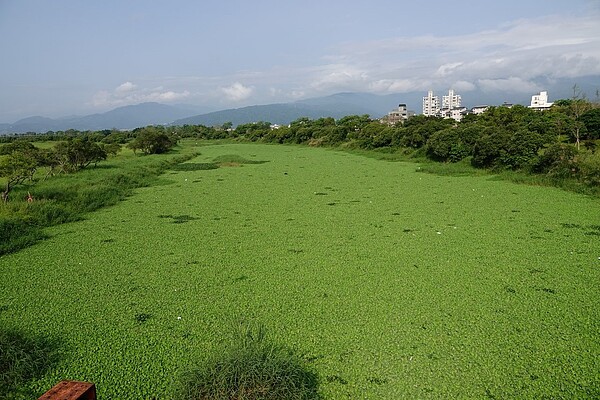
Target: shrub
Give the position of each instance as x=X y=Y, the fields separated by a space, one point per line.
x=152 y=140
x=489 y=148
x=522 y=150
x=589 y=170
x=251 y=367
x=447 y=145
x=558 y=161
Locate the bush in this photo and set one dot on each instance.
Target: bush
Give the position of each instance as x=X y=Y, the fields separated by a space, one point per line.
x=447 y=145
x=489 y=148
x=522 y=150
x=152 y=140
x=251 y=367
x=589 y=170
x=558 y=160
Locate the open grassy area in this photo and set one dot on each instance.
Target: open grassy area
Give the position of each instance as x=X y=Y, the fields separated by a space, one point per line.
x=67 y=197
x=391 y=283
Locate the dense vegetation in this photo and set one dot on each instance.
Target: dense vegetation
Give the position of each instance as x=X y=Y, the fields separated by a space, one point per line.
x=558 y=144
x=57 y=177
x=65 y=190
x=23 y=359
x=386 y=282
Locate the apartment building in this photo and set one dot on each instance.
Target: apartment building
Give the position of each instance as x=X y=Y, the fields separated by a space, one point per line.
x=431 y=105
x=451 y=101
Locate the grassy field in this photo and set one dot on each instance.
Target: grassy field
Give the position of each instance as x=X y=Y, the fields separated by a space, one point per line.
x=391 y=282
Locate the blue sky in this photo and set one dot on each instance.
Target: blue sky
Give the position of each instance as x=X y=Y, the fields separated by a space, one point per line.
x=65 y=57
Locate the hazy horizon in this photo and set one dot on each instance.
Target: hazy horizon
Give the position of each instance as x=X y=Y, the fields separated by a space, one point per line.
x=68 y=57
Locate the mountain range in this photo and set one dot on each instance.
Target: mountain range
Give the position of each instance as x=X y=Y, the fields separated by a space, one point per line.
x=134 y=116
x=127 y=117
x=336 y=106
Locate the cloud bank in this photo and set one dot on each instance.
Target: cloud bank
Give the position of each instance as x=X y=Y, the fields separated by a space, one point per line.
x=508 y=58
x=513 y=58
x=129 y=93
x=237 y=92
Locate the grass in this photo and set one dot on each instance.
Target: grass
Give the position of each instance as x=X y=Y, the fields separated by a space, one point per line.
x=251 y=367
x=66 y=198
x=464 y=168
x=23 y=359
x=389 y=283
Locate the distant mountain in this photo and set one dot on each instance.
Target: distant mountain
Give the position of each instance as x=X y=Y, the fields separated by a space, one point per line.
x=336 y=106
x=33 y=124
x=127 y=117
x=367 y=103
x=283 y=113
x=130 y=117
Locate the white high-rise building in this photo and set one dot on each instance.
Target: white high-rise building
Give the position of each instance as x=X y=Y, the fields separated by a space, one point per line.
x=431 y=105
x=540 y=101
x=451 y=101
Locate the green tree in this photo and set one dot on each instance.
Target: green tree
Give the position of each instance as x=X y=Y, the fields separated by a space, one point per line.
x=447 y=145
x=489 y=147
x=253 y=131
x=152 y=140
x=521 y=150
x=418 y=129
x=19 y=165
x=76 y=154
x=578 y=107
x=558 y=161
x=591 y=120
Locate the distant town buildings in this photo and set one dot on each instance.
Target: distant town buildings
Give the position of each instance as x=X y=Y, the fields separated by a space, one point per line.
x=401 y=114
x=451 y=107
x=540 y=101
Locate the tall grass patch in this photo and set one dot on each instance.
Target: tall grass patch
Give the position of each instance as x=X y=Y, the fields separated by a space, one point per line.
x=23 y=358
x=251 y=366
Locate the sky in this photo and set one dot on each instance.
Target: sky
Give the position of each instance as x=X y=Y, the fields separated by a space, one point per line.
x=76 y=57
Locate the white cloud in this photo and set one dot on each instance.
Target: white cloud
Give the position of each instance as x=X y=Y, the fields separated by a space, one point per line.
x=125 y=87
x=550 y=47
x=448 y=69
x=129 y=93
x=511 y=58
x=398 y=85
x=237 y=92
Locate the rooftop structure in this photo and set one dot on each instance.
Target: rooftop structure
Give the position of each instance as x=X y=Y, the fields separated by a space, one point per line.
x=401 y=114
x=479 y=109
x=540 y=101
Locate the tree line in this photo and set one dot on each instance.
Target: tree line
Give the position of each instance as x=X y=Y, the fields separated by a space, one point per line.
x=73 y=152
x=560 y=142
